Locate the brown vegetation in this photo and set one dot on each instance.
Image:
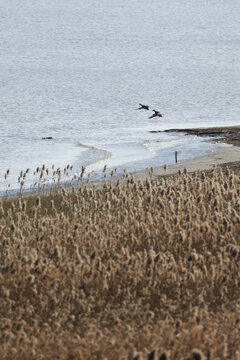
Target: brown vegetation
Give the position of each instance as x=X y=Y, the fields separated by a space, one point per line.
x=135 y=271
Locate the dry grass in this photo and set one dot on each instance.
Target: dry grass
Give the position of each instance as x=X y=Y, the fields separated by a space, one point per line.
x=142 y=270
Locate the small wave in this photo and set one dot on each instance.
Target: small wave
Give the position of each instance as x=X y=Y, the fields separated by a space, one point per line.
x=164 y=144
x=95 y=154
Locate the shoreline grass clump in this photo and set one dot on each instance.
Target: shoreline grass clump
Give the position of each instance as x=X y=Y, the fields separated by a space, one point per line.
x=129 y=270
x=43 y=179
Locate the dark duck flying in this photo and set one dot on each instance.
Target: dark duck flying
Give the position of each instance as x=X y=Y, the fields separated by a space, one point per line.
x=156 y=114
x=143 y=107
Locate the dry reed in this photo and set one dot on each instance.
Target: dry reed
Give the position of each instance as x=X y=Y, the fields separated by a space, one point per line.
x=142 y=270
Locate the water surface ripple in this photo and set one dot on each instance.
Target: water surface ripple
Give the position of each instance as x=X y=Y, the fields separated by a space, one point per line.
x=76 y=71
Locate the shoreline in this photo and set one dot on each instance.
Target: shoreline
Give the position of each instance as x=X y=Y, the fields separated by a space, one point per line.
x=221 y=134
x=228 y=155
x=222 y=156
x=226 y=134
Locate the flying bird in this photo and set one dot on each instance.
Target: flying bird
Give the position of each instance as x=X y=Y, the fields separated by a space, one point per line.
x=156 y=113
x=143 y=107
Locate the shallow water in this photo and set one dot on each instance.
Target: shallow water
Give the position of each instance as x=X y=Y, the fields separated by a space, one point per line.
x=76 y=71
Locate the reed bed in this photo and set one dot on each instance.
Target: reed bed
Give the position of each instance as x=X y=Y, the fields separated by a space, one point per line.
x=133 y=270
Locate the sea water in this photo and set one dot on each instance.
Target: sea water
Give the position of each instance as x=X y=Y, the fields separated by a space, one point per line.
x=77 y=70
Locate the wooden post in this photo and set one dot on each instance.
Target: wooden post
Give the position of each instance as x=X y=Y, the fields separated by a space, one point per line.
x=176 y=157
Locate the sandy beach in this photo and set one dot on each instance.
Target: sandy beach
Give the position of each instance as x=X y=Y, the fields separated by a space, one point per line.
x=226 y=155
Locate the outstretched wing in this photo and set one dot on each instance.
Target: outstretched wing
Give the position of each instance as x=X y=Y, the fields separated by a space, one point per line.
x=153 y=115
x=145 y=107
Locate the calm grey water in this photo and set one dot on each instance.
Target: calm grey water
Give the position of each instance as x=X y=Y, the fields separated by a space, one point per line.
x=77 y=70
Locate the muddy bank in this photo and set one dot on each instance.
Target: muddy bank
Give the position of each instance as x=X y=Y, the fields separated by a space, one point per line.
x=225 y=134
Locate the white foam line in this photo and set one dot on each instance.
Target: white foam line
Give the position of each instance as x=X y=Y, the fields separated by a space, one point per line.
x=150 y=144
x=108 y=154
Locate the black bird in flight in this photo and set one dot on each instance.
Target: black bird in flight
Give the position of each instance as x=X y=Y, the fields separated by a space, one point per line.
x=143 y=107
x=156 y=113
